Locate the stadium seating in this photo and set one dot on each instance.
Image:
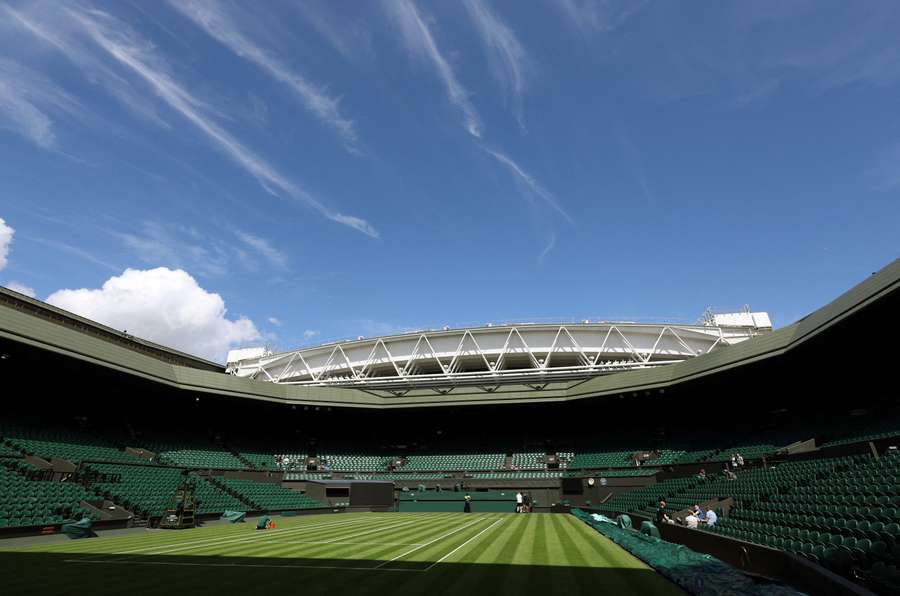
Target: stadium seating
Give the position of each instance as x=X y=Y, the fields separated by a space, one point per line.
x=9 y=451
x=402 y=476
x=268 y=496
x=66 y=444
x=456 y=462
x=610 y=459
x=25 y=502
x=865 y=436
x=353 y=462
x=529 y=461
x=196 y=456
x=840 y=512
x=296 y=476
x=517 y=475
x=148 y=490
x=145 y=490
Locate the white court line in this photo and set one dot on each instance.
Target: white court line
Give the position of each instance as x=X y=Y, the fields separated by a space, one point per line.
x=441 y=560
x=379 y=529
x=265 y=565
x=412 y=550
x=167 y=547
x=272 y=536
x=362 y=543
x=229 y=537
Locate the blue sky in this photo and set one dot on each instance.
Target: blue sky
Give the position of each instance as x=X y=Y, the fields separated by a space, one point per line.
x=321 y=170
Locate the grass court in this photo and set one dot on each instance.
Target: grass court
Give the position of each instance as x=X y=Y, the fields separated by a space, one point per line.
x=355 y=553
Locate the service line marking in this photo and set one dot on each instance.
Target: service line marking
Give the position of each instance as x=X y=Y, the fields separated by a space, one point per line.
x=463 y=544
x=430 y=542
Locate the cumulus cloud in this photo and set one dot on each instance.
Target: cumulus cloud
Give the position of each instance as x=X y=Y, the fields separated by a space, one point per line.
x=162 y=305
x=21 y=288
x=6 y=235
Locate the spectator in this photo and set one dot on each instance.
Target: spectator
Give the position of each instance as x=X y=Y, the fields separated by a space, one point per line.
x=691 y=520
x=733 y=461
x=740 y=459
x=711 y=518
x=519 y=500
x=661 y=516
x=701 y=514
x=702 y=474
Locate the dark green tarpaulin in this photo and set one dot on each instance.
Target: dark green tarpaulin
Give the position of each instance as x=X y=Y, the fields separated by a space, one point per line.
x=694 y=572
x=261 y=522
x=235 y=517
x=79 y=529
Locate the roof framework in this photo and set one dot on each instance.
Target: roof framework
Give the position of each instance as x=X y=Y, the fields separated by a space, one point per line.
x=486 y=356
x=23 y=329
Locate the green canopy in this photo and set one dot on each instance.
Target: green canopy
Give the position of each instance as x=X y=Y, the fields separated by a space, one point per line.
x=79 y=529
x=235 y=517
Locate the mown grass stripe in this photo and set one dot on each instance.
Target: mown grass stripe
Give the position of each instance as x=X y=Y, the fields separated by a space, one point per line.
x=274 y=537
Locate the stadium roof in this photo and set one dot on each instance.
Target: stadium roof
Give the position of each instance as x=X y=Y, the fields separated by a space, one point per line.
x=33 y=323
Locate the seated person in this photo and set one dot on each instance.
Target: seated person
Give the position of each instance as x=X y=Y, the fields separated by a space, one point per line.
x=661 y=515
x=711 y=518
x=691 y=520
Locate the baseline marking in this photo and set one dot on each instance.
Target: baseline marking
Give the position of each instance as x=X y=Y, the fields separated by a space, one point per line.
x=268 y=536
x=265 y=565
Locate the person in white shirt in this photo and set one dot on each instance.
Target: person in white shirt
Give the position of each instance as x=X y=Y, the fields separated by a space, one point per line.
x=711 y=518
x=519 y=502
x=691 y=520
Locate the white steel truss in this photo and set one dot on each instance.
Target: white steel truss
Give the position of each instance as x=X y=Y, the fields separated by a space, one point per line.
x=532 y=354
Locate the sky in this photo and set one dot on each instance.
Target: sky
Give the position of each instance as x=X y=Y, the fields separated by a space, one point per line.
x=214 y=174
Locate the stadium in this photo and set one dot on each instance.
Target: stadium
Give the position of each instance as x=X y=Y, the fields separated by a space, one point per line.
x=397 y=464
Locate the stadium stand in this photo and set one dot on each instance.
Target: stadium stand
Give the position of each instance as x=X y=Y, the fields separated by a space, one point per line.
x=267 y=496
x=195 y=456
x=456 y=462
x=528 y=461
x=25 y=502
x=61 y=443
x=353 y=462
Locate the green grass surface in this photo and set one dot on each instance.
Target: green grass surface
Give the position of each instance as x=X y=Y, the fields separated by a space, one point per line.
x=359 y=553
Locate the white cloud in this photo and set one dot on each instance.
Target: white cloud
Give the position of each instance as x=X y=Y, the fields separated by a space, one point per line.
x=884 y=173
x=530 y=183
x=21 y=288
x=264 y=248
x=27 y=19
x=274 y=321
x=177 y=246
x=224 y=26
x=164 y=306
x=137 y=56
x=420 y=42
x=28 y=102
x=351 y=39
x=310 y=334
x=601 y=16
x=6 y=236
x=509 y=61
